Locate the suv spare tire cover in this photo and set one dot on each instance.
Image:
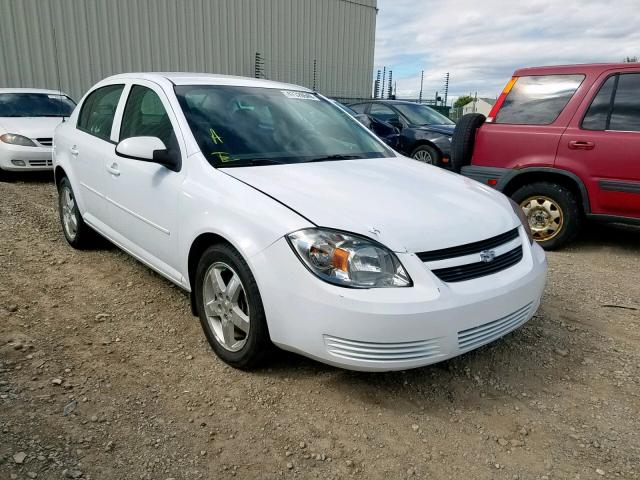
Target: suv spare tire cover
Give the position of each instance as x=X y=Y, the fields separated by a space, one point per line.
x=463 y=139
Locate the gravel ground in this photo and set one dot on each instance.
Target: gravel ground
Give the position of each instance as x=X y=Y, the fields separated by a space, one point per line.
x=105 y=374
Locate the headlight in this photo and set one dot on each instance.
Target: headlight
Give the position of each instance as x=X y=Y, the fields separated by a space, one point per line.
x=348 y=260
x=15 y=139
x=523 y=218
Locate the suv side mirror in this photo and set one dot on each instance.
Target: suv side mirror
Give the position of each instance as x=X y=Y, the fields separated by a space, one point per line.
x=148 y=149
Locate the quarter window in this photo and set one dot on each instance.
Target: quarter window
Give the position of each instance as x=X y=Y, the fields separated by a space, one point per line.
x=98 y=110
x=538 y=99
x=145 y=116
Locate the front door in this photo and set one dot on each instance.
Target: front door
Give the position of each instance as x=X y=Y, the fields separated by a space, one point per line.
x=602 y=146
x=143 y=195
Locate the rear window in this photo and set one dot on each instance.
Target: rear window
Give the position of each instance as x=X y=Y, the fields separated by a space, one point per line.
x=538 y=99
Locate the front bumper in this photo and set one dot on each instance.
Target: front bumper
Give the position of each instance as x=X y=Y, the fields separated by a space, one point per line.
x=394 y=328
x=18 y=158
x=492 y=176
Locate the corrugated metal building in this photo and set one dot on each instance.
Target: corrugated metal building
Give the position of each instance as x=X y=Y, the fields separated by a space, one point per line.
x=323 y=43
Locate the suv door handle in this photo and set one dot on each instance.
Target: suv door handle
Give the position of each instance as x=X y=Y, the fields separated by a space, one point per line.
x=74 y=151
x=581 y=145
x=113 y=169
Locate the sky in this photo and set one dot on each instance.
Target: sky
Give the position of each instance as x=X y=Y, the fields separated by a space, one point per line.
x=480 y=43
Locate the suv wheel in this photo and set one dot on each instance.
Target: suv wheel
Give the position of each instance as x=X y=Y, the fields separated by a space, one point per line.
x=78 y=234
x=426 y=154
x=553 y=212
x=463 y=140
x=230 y=308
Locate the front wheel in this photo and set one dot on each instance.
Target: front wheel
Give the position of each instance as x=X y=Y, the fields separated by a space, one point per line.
x=553 y=212
x=230 y=308
x=426 y=154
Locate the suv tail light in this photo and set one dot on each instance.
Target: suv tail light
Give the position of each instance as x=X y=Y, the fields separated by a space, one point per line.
x=501 y=98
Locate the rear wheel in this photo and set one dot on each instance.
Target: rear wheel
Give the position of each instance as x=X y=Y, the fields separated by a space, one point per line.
x=463 y=140
x=553 y=212
x=426 y=154
x=230 y=308
x=78 y=234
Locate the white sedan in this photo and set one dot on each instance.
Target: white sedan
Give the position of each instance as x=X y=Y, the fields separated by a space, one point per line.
x=291 y=224
x=28 y=118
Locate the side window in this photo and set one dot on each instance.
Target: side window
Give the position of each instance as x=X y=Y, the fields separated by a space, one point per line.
x=382 y=112
x=538 y=99
x=625 y=115
x=360 y=107
x=597 y=117
x=145 y=116
x=98 y=110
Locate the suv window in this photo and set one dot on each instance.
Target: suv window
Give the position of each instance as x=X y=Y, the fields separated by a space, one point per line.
x=538 y=99
x=98 y=110
x=382 y=112
x=626 y=105
x=597 y=117
x=616 y=105
x=145 y=116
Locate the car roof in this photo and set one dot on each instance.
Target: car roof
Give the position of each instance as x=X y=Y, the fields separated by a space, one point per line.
x=187 y=78
x=32 y=90
x=584 y=68
x=392 y=102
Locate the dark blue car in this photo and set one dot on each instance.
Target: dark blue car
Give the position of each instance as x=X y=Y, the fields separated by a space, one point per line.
x=424 y=134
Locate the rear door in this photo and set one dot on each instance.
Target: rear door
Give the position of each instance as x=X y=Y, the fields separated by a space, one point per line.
x=532 y=113
x=602 y=144
x=91 y=142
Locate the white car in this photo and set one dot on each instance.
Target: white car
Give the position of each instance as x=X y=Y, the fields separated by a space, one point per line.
x=28 y=118
x=290 y=223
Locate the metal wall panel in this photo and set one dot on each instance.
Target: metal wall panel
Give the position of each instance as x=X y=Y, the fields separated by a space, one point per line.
x=93 y=39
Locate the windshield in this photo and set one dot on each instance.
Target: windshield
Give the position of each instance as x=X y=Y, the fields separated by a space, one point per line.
x=247 y=126
x=35 y=105
x=422 y=115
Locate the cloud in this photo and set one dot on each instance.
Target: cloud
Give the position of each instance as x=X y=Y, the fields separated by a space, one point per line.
x=481 y=43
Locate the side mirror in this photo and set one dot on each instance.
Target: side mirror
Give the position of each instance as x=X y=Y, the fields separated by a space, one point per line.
x=148 y=149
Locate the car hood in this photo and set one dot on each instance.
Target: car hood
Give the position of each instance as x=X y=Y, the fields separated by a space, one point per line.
x=444 y=129
x=31 y=127
x=402 y=203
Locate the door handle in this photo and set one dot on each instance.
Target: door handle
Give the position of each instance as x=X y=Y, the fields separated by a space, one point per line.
x=581 y=145
x=74 y=151
x=113 y=169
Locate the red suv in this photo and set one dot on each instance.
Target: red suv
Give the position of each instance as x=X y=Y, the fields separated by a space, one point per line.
x=564 y=143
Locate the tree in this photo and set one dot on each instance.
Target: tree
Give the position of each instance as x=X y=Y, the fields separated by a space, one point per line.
x=462 y=101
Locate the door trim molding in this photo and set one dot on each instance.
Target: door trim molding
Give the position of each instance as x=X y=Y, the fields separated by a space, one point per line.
x=139 y=217
x=619 y=186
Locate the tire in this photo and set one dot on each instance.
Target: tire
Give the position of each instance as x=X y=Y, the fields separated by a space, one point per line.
x=554 y=213
x=463 y=140
x=428 y=154
x=83 y=237
x=239 y=344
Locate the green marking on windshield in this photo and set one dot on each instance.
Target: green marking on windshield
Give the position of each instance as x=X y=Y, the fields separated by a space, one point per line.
x=222 y=156
x=214 y=136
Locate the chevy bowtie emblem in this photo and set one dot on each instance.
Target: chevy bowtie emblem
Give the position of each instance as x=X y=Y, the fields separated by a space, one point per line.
x=487 y=256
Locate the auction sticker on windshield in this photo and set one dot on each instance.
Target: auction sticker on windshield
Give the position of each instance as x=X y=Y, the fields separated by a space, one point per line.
x=299 y=95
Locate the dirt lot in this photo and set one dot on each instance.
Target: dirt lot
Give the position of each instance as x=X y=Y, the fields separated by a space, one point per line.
x=102 y=335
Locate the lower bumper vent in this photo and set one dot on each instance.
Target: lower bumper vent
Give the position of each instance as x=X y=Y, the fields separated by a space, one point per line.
x=382 y=352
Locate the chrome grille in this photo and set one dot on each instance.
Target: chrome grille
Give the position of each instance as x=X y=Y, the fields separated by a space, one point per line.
x=469 y=271
x=480 y=335
x=382 y=352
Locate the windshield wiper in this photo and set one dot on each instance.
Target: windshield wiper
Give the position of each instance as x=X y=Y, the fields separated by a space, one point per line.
x=251 y=162
x=330 y=158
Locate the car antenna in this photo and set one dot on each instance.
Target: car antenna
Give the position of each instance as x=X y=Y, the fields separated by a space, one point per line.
x=55 y=57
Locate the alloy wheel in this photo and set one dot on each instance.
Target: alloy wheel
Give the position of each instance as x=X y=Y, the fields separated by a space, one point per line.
x=545 y=217
x=69 y=218
x=423 y=156
x=226 y=306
